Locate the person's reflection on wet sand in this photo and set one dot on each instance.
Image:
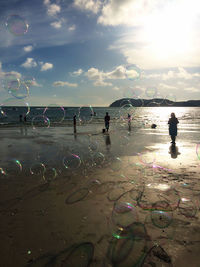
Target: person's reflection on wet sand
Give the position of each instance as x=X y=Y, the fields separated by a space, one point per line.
x=107 y=141
x=173 y=150
x=75 y=136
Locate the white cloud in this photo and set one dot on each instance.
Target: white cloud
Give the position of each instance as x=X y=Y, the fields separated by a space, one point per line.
x=88 y=5
x=36 y=84
x=61 y=83
x=115 y=88
x=77 y=73
x=28 y=48
x=192 y=89
x=29 y=63
x=166 y=86
x=181 y=73
x=53 y=9
x=72 y=28
x=56 y=24
x=99 y=76
x=46 y=2
x=46 y=66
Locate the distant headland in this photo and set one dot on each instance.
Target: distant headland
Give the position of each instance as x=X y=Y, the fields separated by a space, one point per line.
x=155 y=102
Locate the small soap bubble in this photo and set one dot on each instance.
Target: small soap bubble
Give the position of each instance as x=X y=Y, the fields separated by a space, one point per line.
x=71 y=161
x=40 y=121
x=50 y=174
x=133 y=73
x=55 y=112
x=12 y=167
x=116 y=164
x=37 y=169
x=151 y=92
x=17 y=25
x=161 y=219
x=85 y=114
x=170 y=99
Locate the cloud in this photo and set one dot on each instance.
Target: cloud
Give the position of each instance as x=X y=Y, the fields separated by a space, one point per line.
x=88 y=5
x=166 y=86
x=77 y=73
x=56 y=24
x=52 y=9
x=192 y=89
x=34 y=83
x=72 y=28
x=46 y=66
x=28 y=48
x=61 y=83
x=29 y=63
x=181 y=73
x=99 y=76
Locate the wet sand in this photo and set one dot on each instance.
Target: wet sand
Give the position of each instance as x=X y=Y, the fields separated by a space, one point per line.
x=74 y=212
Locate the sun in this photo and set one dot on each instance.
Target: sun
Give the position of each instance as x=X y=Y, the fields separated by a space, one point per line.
x=170 y=31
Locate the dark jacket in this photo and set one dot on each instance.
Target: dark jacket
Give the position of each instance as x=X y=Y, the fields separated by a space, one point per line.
x=173 y=126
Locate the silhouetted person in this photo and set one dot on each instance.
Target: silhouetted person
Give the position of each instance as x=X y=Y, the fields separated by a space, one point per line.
x=173 y=121
x=107 y=121
x=173 y=150
x=20 y=118
x=153 y=126
x=74 y=122
x=129 y=122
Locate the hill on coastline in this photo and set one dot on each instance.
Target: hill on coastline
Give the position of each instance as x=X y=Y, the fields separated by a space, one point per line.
x=155 y=102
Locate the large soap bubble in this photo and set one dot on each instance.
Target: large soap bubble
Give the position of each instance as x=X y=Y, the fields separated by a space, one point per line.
x=17 y=25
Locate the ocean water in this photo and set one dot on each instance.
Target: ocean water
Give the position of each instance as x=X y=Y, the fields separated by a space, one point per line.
x=142 y=117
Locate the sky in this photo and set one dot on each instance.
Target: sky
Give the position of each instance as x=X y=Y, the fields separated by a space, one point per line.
x=93 y=52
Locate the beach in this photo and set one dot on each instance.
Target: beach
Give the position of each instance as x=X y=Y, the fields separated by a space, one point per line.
x=123 y=198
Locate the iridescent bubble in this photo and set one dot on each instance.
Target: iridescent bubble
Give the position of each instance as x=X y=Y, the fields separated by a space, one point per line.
x=85 y=114
x=29 y=80
x=10 y=82
x=170 y=99
x=125 y=110
x=17 y=25
x=21 y=92
x=13 y=107
x=71 y=161
x=151 y=92
x=124 y=214
x=40 y=121
x=55 y=112
x=116 y=164
x=161 y=219
x=50 y=174
x=37 y=169
x=93 y=185
x=98 y=158
x=2 y=173
x=12 y=167
x=133 y=73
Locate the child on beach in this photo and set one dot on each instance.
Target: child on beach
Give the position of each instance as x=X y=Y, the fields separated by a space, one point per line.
x=107 y=121
x=173 y=121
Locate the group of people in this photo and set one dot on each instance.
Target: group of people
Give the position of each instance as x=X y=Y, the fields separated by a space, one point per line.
x=173 y=121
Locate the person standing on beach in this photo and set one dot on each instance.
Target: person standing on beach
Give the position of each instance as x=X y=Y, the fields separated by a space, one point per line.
x=107 y=121
x=74 y=122
x=173 y=121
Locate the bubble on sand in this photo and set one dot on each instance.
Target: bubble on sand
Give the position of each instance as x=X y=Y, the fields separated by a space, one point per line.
x=133 y=73
x=124 y=214
x=115 y=193
x=169 y=99
x=116 y=164
x=158 y=257
x=40 y=121
x=37 y=169
x=55 y=112
x=17 y=25
x=12 y=167
x=161 y=219
x=85 y=114
x=99 y=158
x=13 y=107
x=50 y=174
x=71 y=161
x=93 y=145
x=187 y=207
x=129 y=247
x=93 y=185
x=151 y=92
x=76 y=196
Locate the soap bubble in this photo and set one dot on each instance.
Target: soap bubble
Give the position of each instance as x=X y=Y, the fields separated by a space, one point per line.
x=161 y=219
x=151 y=92
x=13 y=107
x=37 y=169
x=116 y=164
x=55 y=112
x=10 y=82
x=17 y=25
x=187 y=207
x=12 y=167
x=71 y=161
x=169 y=99
x=50 y=174
x=21 y=92
x=40 y=121
x=85 y=114
x=133 y=72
